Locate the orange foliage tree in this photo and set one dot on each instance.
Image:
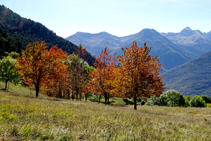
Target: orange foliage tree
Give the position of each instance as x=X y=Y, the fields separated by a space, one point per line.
x=56 y=82
x=37 y=66
x=103 y=76
x=138 y=73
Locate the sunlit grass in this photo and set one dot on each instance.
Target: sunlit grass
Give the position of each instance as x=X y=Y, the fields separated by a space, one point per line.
x=29 y=118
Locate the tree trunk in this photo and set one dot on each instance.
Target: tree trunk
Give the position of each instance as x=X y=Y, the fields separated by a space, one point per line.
x=37 y=87
x=37 y=91
x=68 y=94
x=99 y=97
x=86 y=96
x=72 y=95
x=80 y=95
x=107 y=98
x=135 y=103
x=76 y=93
x=105 y=95
x=5 y=85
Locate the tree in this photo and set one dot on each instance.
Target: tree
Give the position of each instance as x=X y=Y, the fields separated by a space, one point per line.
x=206 y=98
x=103 y=74
x=56 y=81
x=7 y=74
x=32 y=66
x=78 y=74
x=174 y=98
x=37 y=65
x=139 y=73
x=197 y=101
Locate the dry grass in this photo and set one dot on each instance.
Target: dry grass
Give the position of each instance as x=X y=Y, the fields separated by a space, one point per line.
x=24 y=117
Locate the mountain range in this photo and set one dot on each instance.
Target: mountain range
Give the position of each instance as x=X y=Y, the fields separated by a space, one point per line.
x=192 y=40
x=173 y=49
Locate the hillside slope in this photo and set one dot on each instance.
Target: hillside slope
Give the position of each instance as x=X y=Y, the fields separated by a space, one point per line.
x=191 y=78
x=27 y=31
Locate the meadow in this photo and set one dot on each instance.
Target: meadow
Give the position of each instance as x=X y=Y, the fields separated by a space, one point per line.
x=24 y=117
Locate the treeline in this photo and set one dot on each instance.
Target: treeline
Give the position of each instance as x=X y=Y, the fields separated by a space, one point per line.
x=61 y=75
x=26 y=31
x=173 y=98
x=137 y=75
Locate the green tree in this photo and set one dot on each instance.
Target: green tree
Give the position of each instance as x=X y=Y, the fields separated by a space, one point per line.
x=187 y=100
x=197 y=101
x=78 y=74
x=7 y=74
x=174 y=98
x=206 y=98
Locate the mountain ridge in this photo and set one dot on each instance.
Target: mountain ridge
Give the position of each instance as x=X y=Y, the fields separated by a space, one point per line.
x=161 y=46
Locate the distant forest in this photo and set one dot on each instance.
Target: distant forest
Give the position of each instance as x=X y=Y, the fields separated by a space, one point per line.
x=17 y=32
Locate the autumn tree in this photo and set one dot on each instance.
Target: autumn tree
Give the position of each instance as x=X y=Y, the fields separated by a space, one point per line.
x=56 y=82
x=7 y=74
x=103 y=74
x=139 y=73
x=37 y=65
x=78 y=70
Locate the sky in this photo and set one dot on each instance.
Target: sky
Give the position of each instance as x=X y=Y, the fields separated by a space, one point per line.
x=117 y=17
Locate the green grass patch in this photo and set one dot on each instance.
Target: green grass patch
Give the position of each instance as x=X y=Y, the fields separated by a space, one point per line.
x=28 y=118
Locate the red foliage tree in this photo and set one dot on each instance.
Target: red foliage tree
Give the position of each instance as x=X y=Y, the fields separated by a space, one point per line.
x=103 y=74
x=39 y=67
x=139 y=73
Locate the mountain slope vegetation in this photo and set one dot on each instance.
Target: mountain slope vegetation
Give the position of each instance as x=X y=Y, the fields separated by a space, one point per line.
x=27 y=31
x=191 y=78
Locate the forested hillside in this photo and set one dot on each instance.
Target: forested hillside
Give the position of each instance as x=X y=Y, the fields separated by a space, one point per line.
x=8 y=44
x=27 y=31
x=191 y=78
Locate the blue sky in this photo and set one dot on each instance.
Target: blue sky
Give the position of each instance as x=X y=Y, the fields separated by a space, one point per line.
x=117 y=17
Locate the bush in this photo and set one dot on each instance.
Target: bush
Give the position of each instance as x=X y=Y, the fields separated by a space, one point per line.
x=187 y=97
x=162 y=100
x=151 y=101
x=142 y=102
x=209 y=105
x=197 y=101
x=172 y=98
x=206 y=98
x=187 y=101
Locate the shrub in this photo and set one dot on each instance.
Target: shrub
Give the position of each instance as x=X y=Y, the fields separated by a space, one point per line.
x=172 y=98
x=162 y=100
x=187 y=97
x=209 y=105
x=206 y=98
x=142 y=102
x=151 y=101
x=197 y=101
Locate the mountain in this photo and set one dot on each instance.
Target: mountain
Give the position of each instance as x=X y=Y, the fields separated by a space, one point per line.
x=208 y=34
x=191 y=78
x=166 y=51
x=27 y=31
x=8 y=44
x=192 y=40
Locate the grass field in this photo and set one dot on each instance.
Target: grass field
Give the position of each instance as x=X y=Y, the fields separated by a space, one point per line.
x=24 y=117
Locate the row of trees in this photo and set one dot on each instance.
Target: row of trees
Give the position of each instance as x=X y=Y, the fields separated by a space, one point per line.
x=56 y=73
x=173 y=98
